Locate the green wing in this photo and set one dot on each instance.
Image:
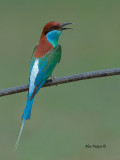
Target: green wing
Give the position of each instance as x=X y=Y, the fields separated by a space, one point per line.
x=46 y=66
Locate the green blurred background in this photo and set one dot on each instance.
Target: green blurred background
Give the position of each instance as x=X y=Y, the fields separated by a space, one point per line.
x=67 y=117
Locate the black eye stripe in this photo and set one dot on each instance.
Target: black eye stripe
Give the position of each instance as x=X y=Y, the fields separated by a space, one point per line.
x=51 y=28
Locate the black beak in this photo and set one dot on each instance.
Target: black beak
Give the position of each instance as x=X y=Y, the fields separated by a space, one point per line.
x=64 y=24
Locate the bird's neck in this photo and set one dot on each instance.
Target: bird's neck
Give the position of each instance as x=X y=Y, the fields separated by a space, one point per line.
x=53 y=37
x=43 y=47
x=47 y=42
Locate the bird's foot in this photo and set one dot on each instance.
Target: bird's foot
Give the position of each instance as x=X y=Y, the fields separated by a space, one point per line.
x=52 y=77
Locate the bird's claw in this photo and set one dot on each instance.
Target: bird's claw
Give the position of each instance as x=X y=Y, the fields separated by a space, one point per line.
x=52 y=77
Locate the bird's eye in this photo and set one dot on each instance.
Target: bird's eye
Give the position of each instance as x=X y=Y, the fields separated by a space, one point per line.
x=52 y=27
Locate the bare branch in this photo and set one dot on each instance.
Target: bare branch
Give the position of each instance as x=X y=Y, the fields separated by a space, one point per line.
x=66 y=79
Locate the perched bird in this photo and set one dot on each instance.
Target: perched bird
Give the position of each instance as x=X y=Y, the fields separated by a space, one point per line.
x=46 y=54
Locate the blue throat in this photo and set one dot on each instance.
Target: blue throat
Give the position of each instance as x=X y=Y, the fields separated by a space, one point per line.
x=53 y=37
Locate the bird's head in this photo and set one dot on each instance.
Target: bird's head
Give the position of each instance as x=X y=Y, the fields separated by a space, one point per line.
x=53 y=30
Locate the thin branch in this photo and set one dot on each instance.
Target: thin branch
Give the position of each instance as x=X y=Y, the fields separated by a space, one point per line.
x=66 y=79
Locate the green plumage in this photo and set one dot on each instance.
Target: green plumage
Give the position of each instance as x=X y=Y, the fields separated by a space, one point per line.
x=47 y=64
x=40 y=70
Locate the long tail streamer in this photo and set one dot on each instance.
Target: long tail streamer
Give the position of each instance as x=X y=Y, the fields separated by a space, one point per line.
x=18 y=139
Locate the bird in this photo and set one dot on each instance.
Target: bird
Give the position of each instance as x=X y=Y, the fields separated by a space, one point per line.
x=46 y=55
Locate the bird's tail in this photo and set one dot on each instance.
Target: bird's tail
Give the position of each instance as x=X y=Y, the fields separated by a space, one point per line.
x=26 y=115
x=27 y=109
x=18 y=139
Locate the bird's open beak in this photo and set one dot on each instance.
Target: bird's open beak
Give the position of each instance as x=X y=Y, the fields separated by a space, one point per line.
x=64 y=24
